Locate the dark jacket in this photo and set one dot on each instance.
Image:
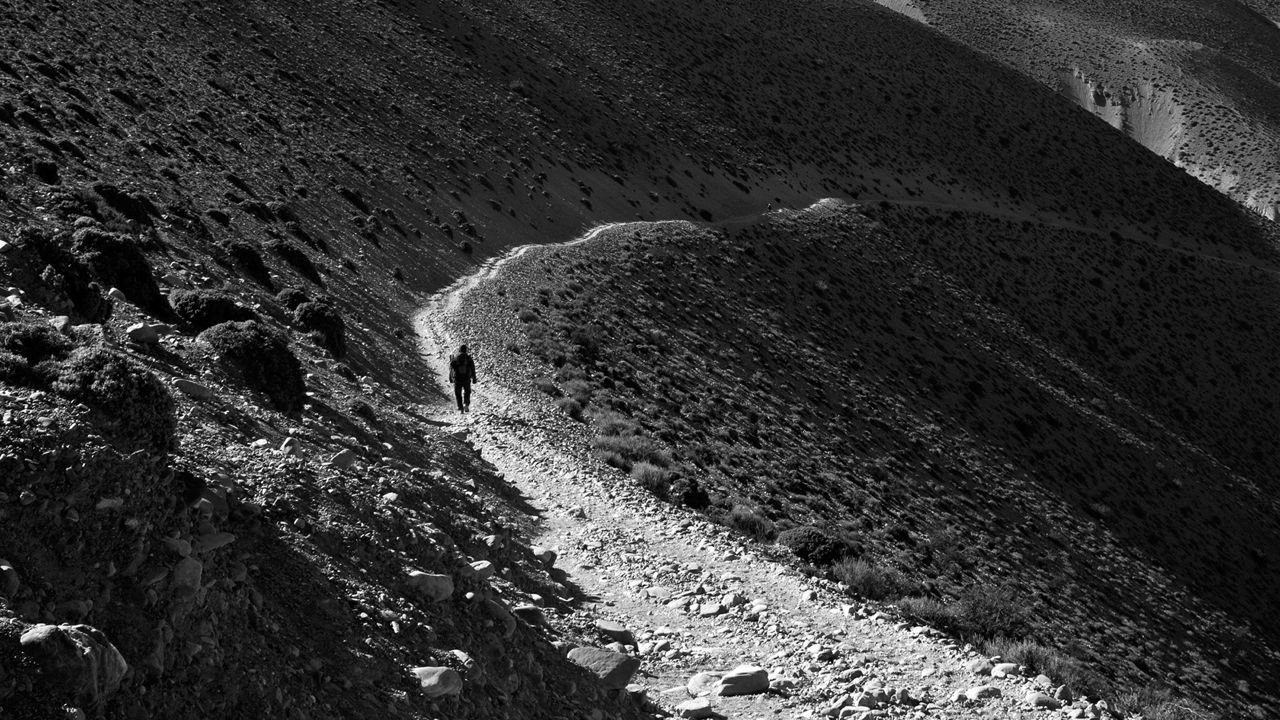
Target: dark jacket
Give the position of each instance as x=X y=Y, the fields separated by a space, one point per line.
x=462 y=369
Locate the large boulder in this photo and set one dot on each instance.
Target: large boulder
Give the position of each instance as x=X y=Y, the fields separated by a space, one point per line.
x=432 y=586
x=76 y=658
x=613 y=669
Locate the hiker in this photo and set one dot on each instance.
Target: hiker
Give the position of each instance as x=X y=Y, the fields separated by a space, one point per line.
x=462 y=372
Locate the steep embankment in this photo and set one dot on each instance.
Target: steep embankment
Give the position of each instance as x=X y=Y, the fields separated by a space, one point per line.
x=964 y=404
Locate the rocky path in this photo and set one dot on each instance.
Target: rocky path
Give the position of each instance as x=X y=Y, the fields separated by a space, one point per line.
x=719 y=626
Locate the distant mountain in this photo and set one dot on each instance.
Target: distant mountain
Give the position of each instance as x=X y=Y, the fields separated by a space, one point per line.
x=1195 y=81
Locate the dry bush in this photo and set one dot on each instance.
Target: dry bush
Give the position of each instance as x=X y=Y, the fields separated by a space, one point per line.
x=873 y=582
x=748 y=521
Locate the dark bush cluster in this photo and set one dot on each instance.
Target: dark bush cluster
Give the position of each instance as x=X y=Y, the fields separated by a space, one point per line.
x=981 y=613
x=297 y=258
x=326 y=327
x=813 y=545
x=750 y=522
x=30 y=352
x=202 y=309
x=291 y=298
x=873 y=582
x=116 y=261
x=263 y=359
x=249 y=261
x=140 y=407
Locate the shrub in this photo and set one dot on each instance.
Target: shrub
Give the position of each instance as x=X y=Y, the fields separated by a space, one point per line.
x=263 y=359
x=115 y=260
x=29 y=353
x=579 y=390
x=928 y=611
x=873 y=582
x=812 y=545
x=749 y=522
x=247 y=258
x=1157 y=703
x=291 y=297
x=986 y=611
x=1038 y=659
x=547 y=386
x=632 y=448
x=687 y=492
x=325 y=325
x=141 y=409
x=202 y=309
x=655 y=479
x=572 y=408
x=297 y=258
x=608 y=422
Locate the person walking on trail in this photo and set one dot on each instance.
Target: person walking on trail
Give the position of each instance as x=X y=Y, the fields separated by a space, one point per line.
x=462 y=372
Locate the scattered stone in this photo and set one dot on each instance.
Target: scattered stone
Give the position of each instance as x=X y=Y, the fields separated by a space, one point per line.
x=432 y=586
x=438 y=681
x=9 y=579
x=546 y=556
x=1004 y=670
x=1040 y=700
x=142 y=334
x=111 y=503
x=615 y=631
x=613 y=669
x=343 y=459
x=703 y=683
x=186 y=576
x=711 y=609
x=531 y=614
x=982 y=692
x=214 y=540
x=696 y=708
x=979 y=666
x=743 y=680
x=192 y=388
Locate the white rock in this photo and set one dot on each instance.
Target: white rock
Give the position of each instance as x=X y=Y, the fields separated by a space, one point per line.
x=982 y=692
x=193 y=389
x=438 y=681
x=1004 y=670
x=696 y=708
x=1040 y=700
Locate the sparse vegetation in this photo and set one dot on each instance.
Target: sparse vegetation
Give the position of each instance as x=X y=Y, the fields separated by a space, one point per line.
x=29 y=353
x=140 y=409
x=322 y=320
x=262 y=358
x=202 y=309
x=874 y=582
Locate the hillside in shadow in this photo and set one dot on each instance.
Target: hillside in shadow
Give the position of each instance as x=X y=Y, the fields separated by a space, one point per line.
x=1074 y=418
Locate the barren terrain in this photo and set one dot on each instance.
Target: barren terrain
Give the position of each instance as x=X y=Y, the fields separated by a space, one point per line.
x=1037 y=359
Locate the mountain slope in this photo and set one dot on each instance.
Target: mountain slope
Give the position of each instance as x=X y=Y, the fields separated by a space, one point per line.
x=970 y=401
x=357 y=156
x=1194 y=80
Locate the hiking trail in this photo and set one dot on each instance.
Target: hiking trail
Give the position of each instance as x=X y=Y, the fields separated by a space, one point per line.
x=692 y=596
